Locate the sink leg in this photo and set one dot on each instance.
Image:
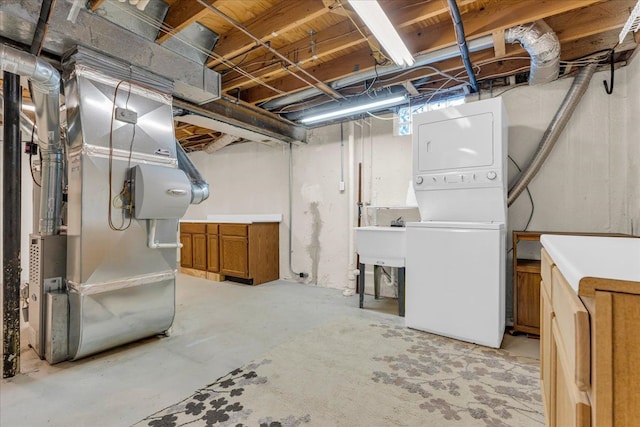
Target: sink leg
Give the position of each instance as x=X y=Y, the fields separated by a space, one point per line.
x=361 y=284
x=401 y=279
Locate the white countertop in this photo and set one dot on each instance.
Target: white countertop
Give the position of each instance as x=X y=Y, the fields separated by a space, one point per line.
x=239 y=219
x=590 y=256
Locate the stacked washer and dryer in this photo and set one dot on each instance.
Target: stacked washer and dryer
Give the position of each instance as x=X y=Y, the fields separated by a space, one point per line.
x=455 y=259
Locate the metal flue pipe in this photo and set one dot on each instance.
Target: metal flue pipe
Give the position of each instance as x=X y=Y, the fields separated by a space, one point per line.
x=199 y=186
x=553 y=132
x=45 y=82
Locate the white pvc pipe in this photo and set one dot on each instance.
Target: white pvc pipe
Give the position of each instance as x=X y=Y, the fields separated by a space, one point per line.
x=151 y=234
x=352 y=267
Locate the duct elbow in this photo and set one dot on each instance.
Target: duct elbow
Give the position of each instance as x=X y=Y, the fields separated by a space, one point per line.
x=44 y=77
x=542 y=44
x=199 y=192
x=199 y=187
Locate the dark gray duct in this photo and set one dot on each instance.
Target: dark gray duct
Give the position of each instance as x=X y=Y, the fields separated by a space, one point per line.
x=462 y=43
x=199 y=187
x=542 y=44
x=45 y=82
x=551 y=135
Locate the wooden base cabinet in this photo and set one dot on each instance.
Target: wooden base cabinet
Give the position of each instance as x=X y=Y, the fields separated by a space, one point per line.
x=589 y=350
x=245 y=251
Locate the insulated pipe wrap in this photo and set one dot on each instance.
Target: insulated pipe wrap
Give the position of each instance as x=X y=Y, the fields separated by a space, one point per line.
x=543 y=46
x=45 y=82
x=551 y=135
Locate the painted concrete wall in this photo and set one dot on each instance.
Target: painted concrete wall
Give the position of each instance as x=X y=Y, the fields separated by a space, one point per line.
x=632 y=82
x=589 y=183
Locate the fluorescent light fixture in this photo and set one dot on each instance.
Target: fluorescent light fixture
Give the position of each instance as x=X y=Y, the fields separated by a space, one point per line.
x=379 y=24
x=352 y=110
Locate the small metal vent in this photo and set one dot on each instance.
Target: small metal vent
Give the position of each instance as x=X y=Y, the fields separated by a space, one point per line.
x=35 y=249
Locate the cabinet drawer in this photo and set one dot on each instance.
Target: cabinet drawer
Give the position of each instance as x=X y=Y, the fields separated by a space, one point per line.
x=234 y=229
x=572 y=406
x=212 y=228
x=192 y=227
x=545 y=271
x=573 y=327
x=547 y=362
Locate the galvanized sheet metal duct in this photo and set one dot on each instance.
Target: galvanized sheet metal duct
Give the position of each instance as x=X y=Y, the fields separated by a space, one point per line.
x=199 y=187
x=543 y=46
x=551 y=135
x=45 y=82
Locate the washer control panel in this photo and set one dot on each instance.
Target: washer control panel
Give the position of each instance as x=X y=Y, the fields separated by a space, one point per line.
x=484 y=178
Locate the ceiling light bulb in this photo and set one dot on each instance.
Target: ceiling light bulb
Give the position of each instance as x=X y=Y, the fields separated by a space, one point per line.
x=353 y=110
x=378 y=22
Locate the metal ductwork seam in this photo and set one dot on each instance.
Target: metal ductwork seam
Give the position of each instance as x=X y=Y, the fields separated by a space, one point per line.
x=199 y=187
x=542 y=44
x=553 y=132
x=45 y=81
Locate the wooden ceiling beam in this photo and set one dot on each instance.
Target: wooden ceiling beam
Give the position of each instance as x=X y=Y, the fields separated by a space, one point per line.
x=591 y=21
x=338 y=37
x=284 y=17
x=180 y=15
x=484 y=22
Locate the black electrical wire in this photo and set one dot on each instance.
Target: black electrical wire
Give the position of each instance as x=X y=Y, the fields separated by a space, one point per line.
x=33 y=131
x=125 y=187
x=530 y=197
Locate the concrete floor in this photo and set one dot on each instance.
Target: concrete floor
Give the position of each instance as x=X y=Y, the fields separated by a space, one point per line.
x=218 y=327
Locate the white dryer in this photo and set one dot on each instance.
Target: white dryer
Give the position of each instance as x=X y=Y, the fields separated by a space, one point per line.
x=455 y=259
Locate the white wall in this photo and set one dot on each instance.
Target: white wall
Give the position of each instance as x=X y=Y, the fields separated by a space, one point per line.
x=589 y=182
x=632 y=138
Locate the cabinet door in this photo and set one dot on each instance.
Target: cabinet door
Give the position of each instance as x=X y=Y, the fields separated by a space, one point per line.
x=547 y=356
x=528 y=302
x=186 y=252
x=572 y=405
x=213 y=261
x=234 y=256
x=199 y=251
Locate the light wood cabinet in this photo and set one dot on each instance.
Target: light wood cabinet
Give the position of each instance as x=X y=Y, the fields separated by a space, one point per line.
x=589 y=350
x=186 y=252
x=526 y=281
x=249 y=252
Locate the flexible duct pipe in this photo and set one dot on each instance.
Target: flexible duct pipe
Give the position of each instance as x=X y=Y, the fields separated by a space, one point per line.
x=45 y=82
x=543 y=46
x=551 y=135
x=199 y=187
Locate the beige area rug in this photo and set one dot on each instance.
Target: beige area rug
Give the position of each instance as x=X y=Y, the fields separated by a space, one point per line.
x=355 y=372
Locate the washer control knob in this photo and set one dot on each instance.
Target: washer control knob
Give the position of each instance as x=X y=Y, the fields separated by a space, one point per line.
x=419 y=180
x=492 y=175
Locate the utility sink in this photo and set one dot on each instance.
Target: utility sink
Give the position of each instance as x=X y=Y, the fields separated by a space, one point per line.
x=381 y=245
